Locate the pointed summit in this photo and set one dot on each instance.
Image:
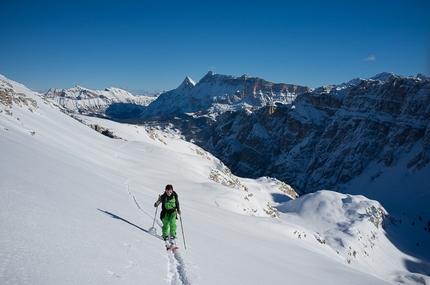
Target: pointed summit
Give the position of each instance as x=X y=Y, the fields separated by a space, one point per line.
x=187 y=84
x=188 y=80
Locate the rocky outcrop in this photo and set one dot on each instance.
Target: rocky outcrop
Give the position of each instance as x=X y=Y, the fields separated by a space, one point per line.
x=8 y=97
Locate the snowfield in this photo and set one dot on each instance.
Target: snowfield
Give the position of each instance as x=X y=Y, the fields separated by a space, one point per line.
x=76 y=207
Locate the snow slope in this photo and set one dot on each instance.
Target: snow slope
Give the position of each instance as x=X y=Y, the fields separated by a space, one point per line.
x=76 y=207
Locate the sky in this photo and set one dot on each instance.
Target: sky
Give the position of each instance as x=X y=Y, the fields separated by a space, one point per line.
x=150 y=46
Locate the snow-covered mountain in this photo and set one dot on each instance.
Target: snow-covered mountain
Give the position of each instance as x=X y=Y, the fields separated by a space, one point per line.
x=212 y=95
x=77 y=206
x=372 y=135
x=368 y=134
x=108 y=102
x=216 y=93
x=329 y=137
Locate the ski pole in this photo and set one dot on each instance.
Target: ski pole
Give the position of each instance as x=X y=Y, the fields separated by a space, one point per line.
x=152 y=229
x=182 y=228
x=156 y=209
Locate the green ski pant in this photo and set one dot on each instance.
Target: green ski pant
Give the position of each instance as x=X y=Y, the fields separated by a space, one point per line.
x=169 y=223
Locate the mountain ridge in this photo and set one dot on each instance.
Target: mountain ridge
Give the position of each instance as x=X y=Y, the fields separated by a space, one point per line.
x=216 y=93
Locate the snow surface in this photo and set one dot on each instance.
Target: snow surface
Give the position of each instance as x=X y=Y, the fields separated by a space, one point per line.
x=76 y=207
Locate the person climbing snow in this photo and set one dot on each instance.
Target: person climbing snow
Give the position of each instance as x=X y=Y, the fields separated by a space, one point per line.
x=169 y=210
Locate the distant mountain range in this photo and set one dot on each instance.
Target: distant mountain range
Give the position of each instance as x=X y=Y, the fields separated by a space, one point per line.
x=312 y=139
x=94 y=102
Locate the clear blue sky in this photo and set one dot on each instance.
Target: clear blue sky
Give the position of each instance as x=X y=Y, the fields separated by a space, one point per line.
x=154 y=45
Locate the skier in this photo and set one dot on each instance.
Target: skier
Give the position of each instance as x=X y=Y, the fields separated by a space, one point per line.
x=169 y=209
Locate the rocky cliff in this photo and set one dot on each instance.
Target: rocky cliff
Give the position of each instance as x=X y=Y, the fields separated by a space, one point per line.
x=327 y=137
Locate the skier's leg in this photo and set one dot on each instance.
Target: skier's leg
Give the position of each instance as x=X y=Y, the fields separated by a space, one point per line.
x=173 y=225
x=166 y=223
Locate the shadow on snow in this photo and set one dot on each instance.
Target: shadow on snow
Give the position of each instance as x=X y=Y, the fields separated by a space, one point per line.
x=130 y=223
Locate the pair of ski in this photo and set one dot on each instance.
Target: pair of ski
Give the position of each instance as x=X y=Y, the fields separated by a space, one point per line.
x=171 y=245
x=169 y=242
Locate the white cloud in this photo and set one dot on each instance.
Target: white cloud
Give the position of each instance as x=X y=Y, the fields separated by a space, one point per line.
x=370 y=58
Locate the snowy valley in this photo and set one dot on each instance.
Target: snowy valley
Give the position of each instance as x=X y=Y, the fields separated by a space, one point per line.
x=77 y=206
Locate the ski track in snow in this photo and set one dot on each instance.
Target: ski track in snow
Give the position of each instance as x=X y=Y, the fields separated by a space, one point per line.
x=176 y=271
x=127 y=182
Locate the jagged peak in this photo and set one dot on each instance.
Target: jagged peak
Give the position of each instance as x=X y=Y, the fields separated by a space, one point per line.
x=212 y=77
x=188 y=80
x=384 y=76
x=188 y=83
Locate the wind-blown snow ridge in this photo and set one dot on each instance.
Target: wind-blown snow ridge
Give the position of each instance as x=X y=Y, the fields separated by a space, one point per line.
x=77 y=206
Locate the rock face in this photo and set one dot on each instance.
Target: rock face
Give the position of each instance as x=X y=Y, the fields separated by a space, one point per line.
x=9 y=97
x=328 y=136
